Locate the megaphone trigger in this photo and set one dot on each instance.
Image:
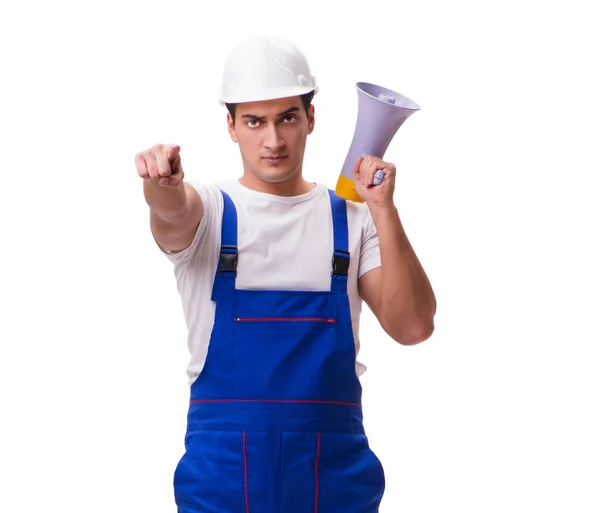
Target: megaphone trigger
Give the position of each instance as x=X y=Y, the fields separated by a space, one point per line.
x=378 y=177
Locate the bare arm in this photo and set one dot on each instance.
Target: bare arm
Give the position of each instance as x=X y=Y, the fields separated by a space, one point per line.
x=399 y=292
x=175 y=206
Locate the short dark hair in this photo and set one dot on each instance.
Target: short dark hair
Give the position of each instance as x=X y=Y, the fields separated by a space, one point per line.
x=306 y=101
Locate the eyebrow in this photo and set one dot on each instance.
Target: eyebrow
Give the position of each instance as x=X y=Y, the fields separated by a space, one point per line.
x=281 y=114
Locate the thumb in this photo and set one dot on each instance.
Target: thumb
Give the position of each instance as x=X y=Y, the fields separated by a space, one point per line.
x=356 y=169
x=174 y=158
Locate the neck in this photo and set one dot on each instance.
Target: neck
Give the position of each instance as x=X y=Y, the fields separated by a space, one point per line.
x=293 y=186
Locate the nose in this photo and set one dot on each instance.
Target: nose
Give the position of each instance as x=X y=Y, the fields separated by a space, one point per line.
x=273 y=140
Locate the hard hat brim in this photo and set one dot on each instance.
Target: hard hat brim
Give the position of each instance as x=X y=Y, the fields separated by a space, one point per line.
x=269 y=94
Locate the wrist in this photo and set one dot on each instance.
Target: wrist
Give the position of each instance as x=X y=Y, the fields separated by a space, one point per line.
x=382 y=209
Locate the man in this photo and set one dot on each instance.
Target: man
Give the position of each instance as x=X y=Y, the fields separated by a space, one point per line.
x=272 y=271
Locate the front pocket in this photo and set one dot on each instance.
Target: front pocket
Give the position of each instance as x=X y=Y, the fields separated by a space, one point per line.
x=299 y=472
x=351 y=478
x=211 y=474
x=287 y=357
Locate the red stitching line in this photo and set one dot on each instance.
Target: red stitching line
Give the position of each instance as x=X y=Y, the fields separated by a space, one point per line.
x=256 y=319
x=270 y=401
x=317 y=472
x=246 y=474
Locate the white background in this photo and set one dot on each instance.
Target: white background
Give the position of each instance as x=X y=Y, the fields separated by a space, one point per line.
x=497 y=411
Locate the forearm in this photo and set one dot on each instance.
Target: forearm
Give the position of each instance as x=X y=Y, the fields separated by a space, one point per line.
x=169 y=204
x=407 y=299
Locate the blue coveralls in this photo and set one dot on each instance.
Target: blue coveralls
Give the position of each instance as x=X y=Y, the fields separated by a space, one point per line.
x=275 y=418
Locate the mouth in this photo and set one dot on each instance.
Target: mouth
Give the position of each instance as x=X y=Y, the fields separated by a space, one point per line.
x=274 y=159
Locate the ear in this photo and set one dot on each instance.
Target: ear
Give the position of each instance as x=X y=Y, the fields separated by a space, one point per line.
x=231 y=128
x=311 y=119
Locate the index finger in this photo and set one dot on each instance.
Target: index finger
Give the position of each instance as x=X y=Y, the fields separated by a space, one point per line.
x=172 y=152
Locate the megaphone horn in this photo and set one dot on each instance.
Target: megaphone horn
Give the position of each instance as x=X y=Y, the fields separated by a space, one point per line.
x=381 y=112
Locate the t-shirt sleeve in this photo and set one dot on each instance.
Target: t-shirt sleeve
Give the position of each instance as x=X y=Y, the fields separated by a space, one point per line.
x=369 y=251
x=210 y=197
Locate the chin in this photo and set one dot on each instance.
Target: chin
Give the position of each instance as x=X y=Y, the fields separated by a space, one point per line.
x=275 y=175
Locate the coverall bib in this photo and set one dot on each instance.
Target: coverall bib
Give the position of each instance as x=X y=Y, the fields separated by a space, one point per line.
x=275 y=419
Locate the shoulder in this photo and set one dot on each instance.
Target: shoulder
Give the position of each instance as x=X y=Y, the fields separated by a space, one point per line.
x=359 y=216
x=212 y=197
x=210 y=191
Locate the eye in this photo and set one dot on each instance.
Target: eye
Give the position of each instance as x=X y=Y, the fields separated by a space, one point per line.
x=290 y=118
x=253 y=123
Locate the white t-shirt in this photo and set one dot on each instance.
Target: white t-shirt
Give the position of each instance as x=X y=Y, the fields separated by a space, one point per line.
x=284 y=243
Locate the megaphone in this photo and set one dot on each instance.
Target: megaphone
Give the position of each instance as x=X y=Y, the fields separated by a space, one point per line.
x=381 y=112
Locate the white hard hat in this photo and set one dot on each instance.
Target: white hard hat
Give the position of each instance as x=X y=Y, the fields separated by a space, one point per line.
x=265 y=68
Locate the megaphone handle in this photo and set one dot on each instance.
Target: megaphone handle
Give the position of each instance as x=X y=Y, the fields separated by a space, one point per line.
x=378 y=177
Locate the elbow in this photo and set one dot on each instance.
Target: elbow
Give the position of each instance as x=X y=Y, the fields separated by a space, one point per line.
x=421 y=334
x=410 y=333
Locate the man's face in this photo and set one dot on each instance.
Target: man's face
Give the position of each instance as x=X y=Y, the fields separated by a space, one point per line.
x=272 y=136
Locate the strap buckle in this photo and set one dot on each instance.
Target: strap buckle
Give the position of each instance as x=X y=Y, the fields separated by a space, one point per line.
x=228 y=259
x=340 y=262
